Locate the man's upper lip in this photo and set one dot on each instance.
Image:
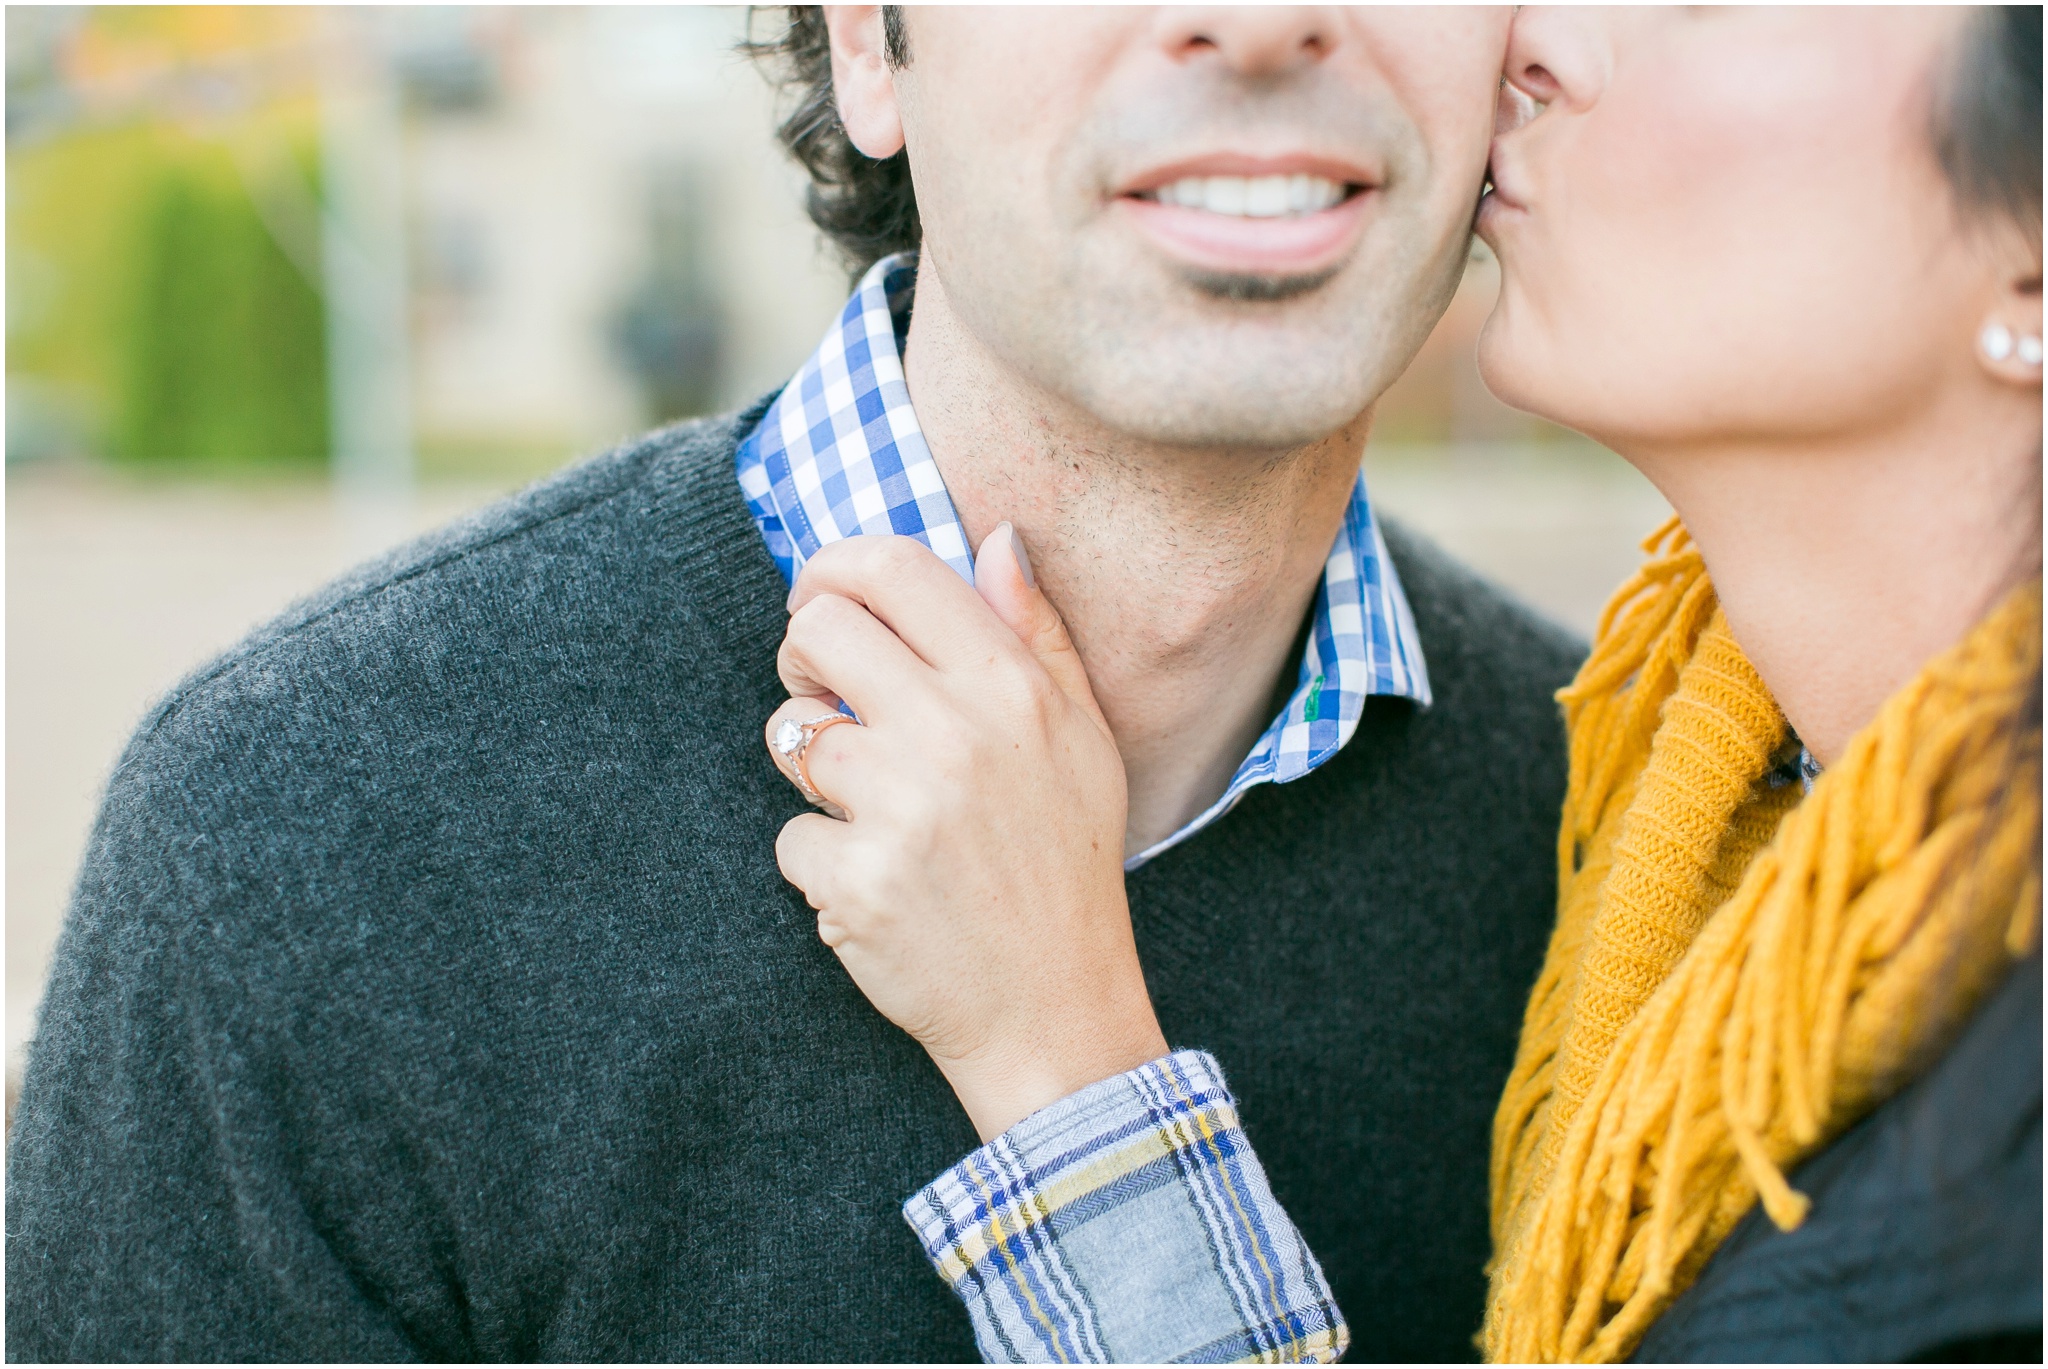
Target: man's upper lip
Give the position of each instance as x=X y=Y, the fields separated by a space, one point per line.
x=1251 y=164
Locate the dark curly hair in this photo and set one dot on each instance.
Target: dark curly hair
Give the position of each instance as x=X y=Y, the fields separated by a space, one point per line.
x=867 y=208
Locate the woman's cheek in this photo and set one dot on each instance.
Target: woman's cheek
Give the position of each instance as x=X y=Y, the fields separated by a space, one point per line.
x=1684 y=232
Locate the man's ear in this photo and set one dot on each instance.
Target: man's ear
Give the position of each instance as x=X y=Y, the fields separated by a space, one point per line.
x=862 y=84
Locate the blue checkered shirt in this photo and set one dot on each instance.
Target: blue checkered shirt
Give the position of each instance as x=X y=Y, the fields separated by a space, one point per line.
x=1130 y=1221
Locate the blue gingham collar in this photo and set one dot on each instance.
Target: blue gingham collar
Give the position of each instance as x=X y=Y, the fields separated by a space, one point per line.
x=839 y=454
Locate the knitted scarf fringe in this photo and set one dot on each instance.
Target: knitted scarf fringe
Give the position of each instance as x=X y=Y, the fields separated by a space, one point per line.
x=1731 y=984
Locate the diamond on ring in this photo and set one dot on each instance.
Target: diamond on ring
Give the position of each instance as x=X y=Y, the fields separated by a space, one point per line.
x=793 y=738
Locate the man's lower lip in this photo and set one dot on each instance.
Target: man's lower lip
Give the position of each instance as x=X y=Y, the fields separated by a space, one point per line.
x=1294 y=244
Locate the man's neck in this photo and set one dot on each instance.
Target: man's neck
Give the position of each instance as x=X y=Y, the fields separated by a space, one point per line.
x=1184 y=574
x=1844 y=565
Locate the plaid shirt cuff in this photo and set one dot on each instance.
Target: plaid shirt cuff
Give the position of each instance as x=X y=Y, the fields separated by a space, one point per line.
x=1129 y=1222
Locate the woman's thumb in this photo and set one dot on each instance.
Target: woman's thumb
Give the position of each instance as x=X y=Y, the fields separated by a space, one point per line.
x=1003 y=578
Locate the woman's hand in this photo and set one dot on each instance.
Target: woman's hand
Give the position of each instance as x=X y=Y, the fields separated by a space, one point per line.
x=974 y=889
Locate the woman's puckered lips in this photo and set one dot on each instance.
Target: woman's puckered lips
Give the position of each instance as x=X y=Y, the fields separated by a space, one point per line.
x=1506 y=176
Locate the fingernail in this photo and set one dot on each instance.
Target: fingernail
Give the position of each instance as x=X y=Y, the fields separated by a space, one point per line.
x=1023 y=560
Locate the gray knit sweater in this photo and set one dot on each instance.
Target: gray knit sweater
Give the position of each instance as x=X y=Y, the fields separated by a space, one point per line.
x=430 y=990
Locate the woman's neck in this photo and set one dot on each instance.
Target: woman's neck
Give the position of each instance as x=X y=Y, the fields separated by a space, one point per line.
x=1845 y=563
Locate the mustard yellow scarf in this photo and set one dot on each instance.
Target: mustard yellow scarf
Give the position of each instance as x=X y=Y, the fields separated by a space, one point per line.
x=1739 y=974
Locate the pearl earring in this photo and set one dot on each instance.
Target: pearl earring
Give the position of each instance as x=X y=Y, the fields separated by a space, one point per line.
x=2030 y=349
x=1996 y=341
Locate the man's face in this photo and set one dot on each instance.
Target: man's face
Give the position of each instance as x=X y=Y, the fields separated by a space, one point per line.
x=1213 y=228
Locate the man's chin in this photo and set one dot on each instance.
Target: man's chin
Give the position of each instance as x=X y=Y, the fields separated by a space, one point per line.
x=1249 y=412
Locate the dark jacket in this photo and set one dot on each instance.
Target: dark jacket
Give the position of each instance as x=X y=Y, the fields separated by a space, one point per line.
x=430 y=990
x=1924 y=1240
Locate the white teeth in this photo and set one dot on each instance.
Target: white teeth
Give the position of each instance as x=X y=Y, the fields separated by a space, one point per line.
x=1253 y=197
x=1266 y=197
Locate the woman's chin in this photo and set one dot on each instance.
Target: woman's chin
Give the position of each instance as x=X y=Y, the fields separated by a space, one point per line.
x=1505 y=365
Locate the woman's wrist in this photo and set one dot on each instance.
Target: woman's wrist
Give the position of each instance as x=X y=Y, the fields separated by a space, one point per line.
x=1000 y=1088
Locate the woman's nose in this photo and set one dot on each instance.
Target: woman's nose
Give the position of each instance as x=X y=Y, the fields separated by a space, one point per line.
x=1558 y=53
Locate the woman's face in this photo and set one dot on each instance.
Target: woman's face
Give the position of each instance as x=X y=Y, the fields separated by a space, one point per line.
x=1729 y=224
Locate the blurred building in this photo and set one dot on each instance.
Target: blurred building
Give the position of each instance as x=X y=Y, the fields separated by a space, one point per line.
x=511 y=235
x=607 y=235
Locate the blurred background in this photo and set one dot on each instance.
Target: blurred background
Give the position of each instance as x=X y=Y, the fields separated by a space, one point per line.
x=288 y=285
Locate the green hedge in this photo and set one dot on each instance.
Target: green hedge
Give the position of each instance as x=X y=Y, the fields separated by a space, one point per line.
x=226 y=361
x=196 y=341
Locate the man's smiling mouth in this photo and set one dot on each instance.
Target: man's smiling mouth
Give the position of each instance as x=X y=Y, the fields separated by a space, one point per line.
x=1288 y=218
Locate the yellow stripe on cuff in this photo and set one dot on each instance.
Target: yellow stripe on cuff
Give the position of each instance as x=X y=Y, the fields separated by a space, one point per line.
x=1036 y=1204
